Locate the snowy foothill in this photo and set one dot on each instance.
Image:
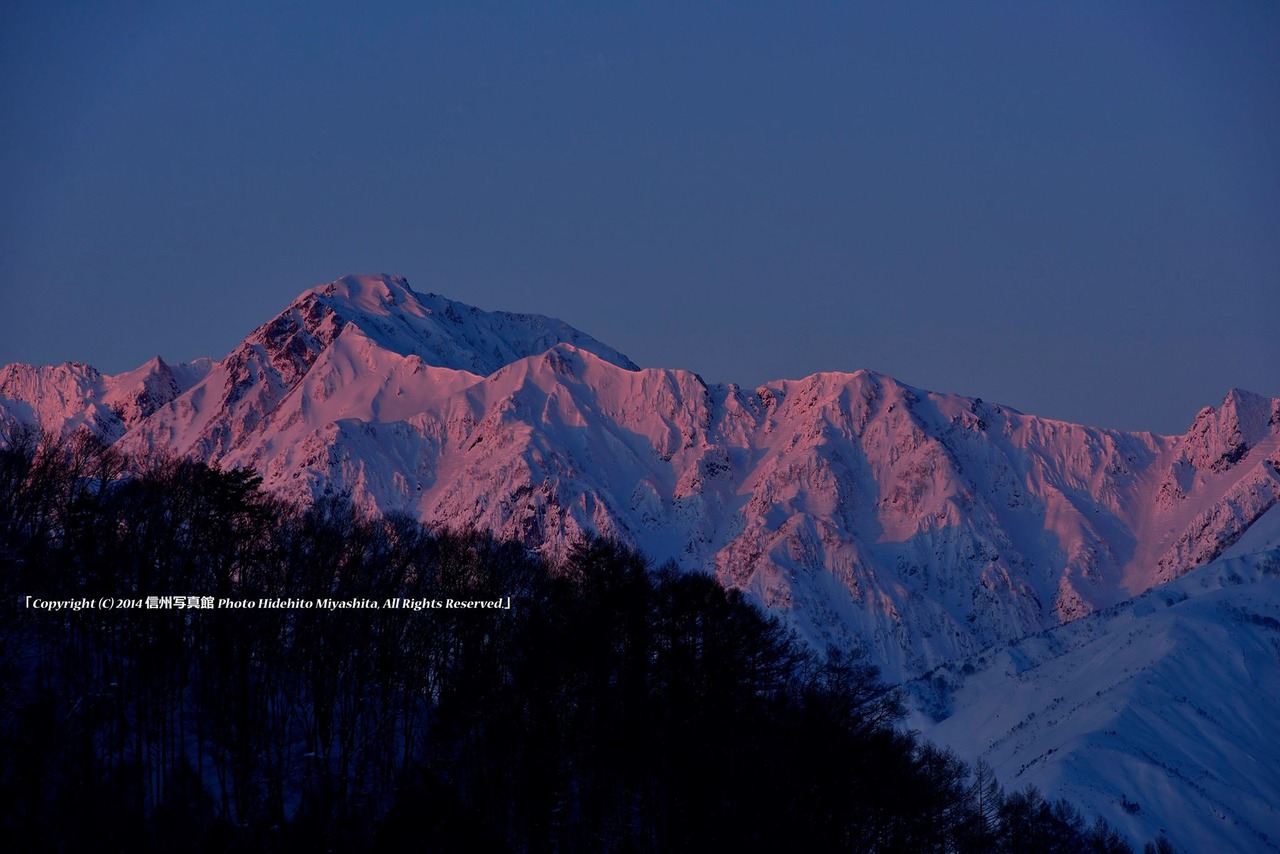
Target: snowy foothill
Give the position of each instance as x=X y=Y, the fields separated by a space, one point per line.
x=1158 y=714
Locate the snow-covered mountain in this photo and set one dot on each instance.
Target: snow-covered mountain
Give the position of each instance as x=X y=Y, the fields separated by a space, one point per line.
x=72 y=395
x=923 y=527
x=1159 y=713
x=995 y=552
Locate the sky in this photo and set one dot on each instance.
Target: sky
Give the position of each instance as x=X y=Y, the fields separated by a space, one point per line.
x=1072 y=209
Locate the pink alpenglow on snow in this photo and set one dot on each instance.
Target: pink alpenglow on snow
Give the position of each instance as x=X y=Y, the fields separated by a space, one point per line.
x=919 y=526
x=923 y=529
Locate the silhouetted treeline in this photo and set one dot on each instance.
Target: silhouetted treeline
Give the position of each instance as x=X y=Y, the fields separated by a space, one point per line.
x=614 y=708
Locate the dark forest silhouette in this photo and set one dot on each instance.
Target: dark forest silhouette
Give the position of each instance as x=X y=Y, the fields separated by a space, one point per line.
x=615 y=707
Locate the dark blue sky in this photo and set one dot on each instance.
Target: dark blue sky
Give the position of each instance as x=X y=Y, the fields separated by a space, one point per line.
x=1070 y=208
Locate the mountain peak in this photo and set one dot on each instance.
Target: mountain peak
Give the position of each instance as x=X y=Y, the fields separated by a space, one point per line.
x=1220 y=437
x=440 y=331
x=374 y=293
x=1241 y=399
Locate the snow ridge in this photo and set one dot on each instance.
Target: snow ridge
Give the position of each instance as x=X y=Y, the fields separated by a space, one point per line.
x=943 y=535
x=921 y=527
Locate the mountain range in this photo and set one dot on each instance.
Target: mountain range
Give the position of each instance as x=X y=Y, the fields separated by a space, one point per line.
x=921 y=529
